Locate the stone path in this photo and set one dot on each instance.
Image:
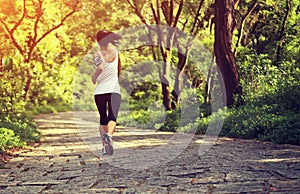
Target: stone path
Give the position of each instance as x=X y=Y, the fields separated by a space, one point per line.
x=69 y=161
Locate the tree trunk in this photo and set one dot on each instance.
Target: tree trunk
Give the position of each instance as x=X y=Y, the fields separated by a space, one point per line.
x=182 y=61
x=224 y=26
x=210 y=81
x=27 y=88
x=281 y=33
x=1 y=65
x=165 y=86
x=167 y=54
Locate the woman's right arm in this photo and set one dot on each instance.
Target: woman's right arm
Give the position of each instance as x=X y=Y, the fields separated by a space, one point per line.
x=99 y=69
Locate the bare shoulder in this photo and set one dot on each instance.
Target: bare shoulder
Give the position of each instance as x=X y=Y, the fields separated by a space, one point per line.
x=110 y=56
x=113 y=51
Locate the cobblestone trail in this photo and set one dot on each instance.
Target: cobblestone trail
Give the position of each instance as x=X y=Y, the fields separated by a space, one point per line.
x=68 y=161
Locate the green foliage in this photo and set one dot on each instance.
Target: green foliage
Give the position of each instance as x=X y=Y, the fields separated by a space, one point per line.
x=268 y=59
x=83 y=88
x=171 y=121
x=255 y=122
x=149 y=119
x=267 y=120
x=286 y=94
x=258 y=75
x=11 y=92
x=268 y=62
x=263 y=123
x=16 y=131
x=8 y=140
x=23 y=127
x=271 y=110
x=271 y=94
x=143 y=96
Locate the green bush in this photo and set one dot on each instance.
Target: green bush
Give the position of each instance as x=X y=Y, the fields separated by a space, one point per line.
x=23 y=127
x=286 y=130
x=141 y=116
x=11 y=92
x=148 y=119
x=45 y=107
x=271 y=94
x=286 y=94
x=263 y=123
x=8 y=140
x=271 y=109
x=272 y=117
x=172 y=120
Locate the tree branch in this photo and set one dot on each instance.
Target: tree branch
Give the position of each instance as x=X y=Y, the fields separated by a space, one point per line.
x=166 y=11
x=39 y=13
x=155 y=14
x=21 y=19
x=244 y=18
x=137 y=12
x=60 y=24
x=178 y=13
x=15 y=43
x=158 y=12
x=171 y=11
x=35 y=40
x=281 y=31
x=17 y=24
x=196 y=17
x=158 y=29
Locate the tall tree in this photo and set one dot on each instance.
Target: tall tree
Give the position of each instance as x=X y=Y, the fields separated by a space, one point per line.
x=224 y=26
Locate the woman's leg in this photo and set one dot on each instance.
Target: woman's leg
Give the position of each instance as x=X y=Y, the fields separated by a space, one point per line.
x=111 y=127
x=108 y=122
x=101 y=102
x=113 y=110
x=103 y=129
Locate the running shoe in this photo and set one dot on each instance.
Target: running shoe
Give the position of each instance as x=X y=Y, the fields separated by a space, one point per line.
x=107 y=141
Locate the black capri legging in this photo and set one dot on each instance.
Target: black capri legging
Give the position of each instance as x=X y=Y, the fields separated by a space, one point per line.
x=108 y=107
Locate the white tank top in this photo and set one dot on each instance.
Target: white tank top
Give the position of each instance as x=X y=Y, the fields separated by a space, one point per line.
x=108 y=81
